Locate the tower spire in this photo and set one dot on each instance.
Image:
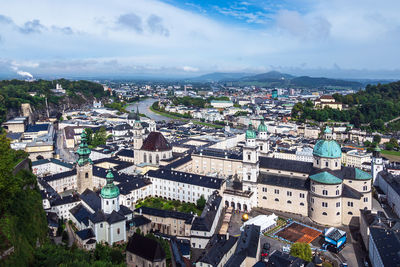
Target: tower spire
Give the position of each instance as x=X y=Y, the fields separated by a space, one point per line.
x=83 y=151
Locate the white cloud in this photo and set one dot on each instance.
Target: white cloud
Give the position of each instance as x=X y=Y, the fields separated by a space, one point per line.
x=190 y=69
x=149 y=35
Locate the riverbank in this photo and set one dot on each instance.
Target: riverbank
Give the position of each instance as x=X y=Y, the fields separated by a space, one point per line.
x=165 y=114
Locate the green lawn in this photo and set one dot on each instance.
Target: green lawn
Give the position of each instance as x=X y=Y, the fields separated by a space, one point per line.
x=391 y=152
x=160 y=203
x=165 y=114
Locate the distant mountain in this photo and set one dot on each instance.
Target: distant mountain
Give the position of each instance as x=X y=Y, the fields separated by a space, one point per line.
x=269 y=76
x=221 y=76
x=306 y=81
x=277 y=79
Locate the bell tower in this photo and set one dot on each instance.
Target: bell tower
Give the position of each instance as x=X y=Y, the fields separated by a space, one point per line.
x=137 y=132
x=377 y=163
x=250 y=160
x=109 y=195
x=84 y=168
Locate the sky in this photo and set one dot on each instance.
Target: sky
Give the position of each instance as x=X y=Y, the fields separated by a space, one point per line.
x=173 y=38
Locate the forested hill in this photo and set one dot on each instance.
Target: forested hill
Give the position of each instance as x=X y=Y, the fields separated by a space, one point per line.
x=15 y=92
x=23 y=222
x=375 y=105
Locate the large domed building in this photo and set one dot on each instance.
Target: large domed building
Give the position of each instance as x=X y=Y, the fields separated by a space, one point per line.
x=154 y=148
x=324 y=190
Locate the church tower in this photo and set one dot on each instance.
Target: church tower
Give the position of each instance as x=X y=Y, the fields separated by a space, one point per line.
x=263 y=138
x=109 y=195
x=137 y=132
x=250 y=160
x=84 y=168
x=377 y=163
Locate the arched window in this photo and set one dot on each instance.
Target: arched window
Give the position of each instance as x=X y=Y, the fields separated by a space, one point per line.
x=145 y=157
x=325 y=192
x=150 y=159
x=157 y=159
x=337 y=213
x=264 y=197
x=301 y=204
x=277 y=200
x=118 y=231
x=324 y=213
x=350 y=213
x=336 y=164
x=289 y=202
x=326 y=164
x=86 y=175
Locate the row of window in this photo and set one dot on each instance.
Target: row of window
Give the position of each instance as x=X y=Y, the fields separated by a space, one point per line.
x=288 y=202
x=288 y=193
x=327 y=163
x=337 y=213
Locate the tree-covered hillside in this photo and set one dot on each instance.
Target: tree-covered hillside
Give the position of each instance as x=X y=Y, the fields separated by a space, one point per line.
x=23 y=223
x=374 y=106
x=15 y=92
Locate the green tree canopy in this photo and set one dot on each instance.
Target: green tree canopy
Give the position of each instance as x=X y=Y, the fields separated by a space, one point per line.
x=302 y=251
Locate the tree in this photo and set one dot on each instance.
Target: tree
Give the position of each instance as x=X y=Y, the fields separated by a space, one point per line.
x=302 y=251
x=201 y=202
x=89 y=135
x=393 y=141
x=377 y=138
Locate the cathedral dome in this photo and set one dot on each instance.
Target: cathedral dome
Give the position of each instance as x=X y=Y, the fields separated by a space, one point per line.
x=250 y=133
x=110 y=190
x=262 y=127
x=327 y=149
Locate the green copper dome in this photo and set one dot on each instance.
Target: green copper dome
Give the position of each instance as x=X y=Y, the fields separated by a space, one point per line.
x=110 y=190
x=328 y=130
x=262 y=127
x=250 y=133
x=83 y=151
x=327 y=149
x=325 y=178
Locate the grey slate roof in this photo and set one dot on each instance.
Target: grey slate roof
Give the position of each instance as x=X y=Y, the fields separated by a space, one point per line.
x=284 y=181
x=247 y=246
x=217 y=247
x=187 y=178
x=91 y=199
x=85 y=234
x=146 y=248
x=138 y=220
x=60 y=175
x=349 y=192
x=55 y=161
x=207 y=217
x=280 y=259
x=286 y=165
x=126 y=153
x=187 y=217
x=388 y=245
x=179 y=162
x=81 y=214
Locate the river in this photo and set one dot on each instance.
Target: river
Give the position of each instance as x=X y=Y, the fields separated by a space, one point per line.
x=144 y=108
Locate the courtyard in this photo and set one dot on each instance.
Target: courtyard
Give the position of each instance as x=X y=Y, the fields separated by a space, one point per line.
x=164 y=204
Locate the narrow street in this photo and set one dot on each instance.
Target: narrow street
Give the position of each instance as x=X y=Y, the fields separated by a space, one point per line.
x=64 y=153
x=71 y=236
